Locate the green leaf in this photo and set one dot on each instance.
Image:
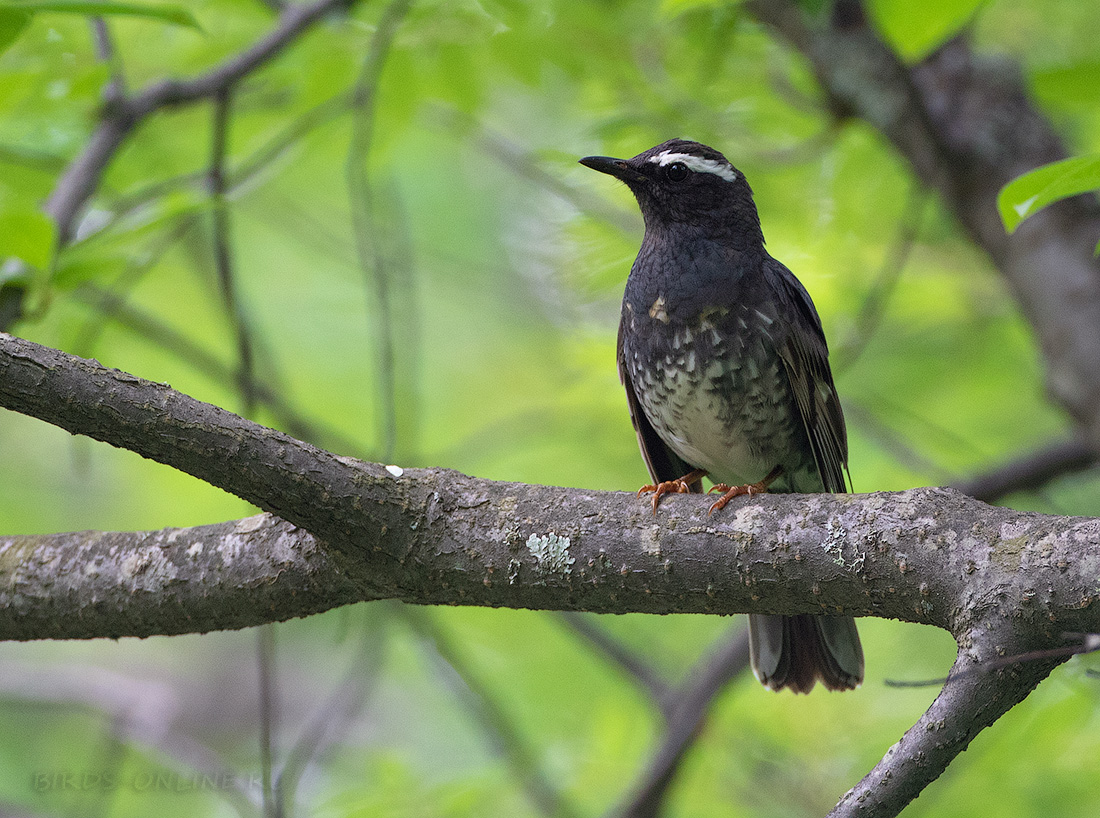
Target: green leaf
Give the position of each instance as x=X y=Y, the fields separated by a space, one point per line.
x=12 y=24
x=27 y=235
x=1028 y=194
x=917 y=29
x=1063 y=85
x=175 y=15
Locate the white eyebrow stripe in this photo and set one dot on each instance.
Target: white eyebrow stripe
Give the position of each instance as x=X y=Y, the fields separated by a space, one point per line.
x=696 y=163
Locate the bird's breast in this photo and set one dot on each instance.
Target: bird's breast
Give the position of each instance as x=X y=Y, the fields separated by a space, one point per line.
x=714 y=387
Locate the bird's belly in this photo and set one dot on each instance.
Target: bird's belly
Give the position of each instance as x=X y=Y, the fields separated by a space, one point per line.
x=731 y=416
x=724 y=452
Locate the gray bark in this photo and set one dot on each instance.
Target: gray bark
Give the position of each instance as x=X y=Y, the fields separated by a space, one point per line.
x=1004 y=583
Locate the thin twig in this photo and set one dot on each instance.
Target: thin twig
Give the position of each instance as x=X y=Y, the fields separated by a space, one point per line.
x=105 y=51
x=364 y=222
x=527 y=165
x=152 y=329
x=1088 y=643
x=265 y=654
x=81 y=177
x=243 y=173
x=491 y=716
x=874 y=305
x=339 y=708
x=223 y=254
x=634 y=665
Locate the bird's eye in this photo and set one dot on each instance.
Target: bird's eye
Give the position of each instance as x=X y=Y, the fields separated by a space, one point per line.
x=676 y=172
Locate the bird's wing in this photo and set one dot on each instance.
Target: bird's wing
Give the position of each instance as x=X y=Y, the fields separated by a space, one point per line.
x=805 y=356
x=663 y=463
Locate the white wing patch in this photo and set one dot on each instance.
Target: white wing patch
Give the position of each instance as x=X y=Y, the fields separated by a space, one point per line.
x=722 y=170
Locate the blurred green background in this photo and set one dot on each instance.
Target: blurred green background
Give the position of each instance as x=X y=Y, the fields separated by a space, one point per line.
x=492 y=268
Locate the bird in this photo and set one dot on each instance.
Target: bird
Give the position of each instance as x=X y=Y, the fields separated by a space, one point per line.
x=726 y=370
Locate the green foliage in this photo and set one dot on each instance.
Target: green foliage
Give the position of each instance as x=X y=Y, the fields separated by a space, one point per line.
x=1026 y=195
x=12 y=23
x=917 y=29
x=174 y=15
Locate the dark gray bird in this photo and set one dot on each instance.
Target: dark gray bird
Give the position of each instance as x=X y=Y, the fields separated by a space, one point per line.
x=727 y=375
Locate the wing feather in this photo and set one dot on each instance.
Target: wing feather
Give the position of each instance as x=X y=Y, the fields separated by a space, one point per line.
x=806 y=360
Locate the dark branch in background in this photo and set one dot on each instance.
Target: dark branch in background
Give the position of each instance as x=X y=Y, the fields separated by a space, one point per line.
x=363 y=204
x=81 y=177
x=223 y=252
x=491 y=716
x=1030 y=472
x=692 y=700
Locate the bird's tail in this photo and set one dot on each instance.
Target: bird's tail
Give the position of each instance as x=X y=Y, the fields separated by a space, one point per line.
x=797 y=651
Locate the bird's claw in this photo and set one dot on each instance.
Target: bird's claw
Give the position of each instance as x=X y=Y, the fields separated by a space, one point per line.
x=681 y=485
x=661 y=489
x=729 y=492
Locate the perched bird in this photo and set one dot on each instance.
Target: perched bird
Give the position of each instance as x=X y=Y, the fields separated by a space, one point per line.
x=727 y=375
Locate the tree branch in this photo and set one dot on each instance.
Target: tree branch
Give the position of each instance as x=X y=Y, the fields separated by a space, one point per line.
x=124 y=113
x=438 y=537
x=973 y=698
x=1003 y=582
x=1031 y=471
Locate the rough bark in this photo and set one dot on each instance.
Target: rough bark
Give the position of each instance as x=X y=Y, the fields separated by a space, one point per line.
x=1004 y=583
x=439 y=537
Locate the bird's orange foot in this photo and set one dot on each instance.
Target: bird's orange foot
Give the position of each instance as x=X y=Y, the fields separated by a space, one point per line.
x=681 y=485
x=729 y=492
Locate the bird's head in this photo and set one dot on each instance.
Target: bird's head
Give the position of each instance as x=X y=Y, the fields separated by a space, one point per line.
x=681 y=183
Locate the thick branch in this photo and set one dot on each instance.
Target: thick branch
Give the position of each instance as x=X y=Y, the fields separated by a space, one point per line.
x=439 y=537
x=1002 y=582
x=973 y=699
x=237 y=574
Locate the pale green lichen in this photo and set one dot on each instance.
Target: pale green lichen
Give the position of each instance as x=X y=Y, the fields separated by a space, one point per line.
x=552 y=553
x=834 y=546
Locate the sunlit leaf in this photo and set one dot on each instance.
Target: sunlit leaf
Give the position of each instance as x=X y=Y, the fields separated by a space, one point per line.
x=1028 y=194
x=915 y=29
x=175 y=15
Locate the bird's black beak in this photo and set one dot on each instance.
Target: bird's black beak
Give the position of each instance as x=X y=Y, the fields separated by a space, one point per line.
x=613 y=167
